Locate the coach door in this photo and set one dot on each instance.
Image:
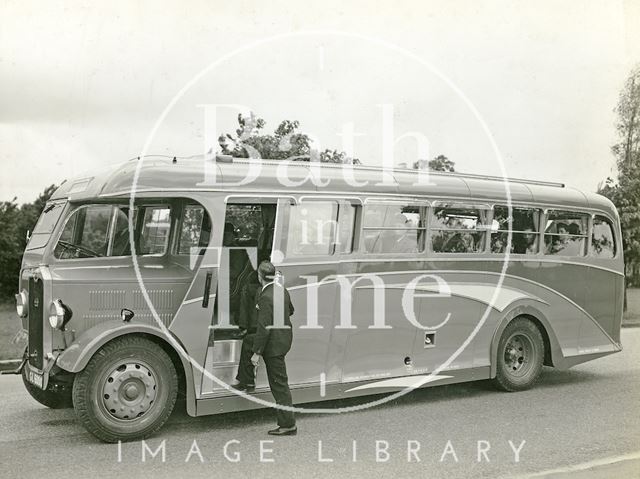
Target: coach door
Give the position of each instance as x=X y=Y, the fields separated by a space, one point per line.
x=247 y=239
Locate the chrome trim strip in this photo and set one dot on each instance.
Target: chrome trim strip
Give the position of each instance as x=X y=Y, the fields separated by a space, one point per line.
x=330 y=198
x=115 y=266
x=415 y=258
x=196 y=300
x=412 y=382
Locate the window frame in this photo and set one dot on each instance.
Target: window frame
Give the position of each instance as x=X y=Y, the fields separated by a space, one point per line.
x=539 y=232
x=422 y=204
x=179 y=222
x=355 y=226
x=586 y=235
x=286 y=227
x=169 y=246
x=170 y=203
x=72 y=215
x=612 y=224
x=486 y=228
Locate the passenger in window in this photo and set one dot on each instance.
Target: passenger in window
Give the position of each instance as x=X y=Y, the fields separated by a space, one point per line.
x=574 y=229
x=531 y=238
x=460 y=243
x=559 y=242
x=525 y=242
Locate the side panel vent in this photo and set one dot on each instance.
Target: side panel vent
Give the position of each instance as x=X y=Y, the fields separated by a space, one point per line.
x=429 y=340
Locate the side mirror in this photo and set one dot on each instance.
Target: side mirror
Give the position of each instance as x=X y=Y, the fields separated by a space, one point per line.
x=28 y=235
x=126 y=315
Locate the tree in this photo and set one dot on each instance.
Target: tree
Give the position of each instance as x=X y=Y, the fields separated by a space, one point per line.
x=15 y=221
x=9 y=247
x=625 y=192
x=439 y=163
x=286 y=143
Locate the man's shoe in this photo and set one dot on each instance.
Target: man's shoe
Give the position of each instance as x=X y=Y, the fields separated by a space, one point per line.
x=244 y=387
x=284 y=431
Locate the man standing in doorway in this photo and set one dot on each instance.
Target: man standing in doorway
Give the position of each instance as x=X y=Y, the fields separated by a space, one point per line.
x=272 y=341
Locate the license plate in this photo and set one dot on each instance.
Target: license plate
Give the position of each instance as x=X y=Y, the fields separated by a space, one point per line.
x=35 y=378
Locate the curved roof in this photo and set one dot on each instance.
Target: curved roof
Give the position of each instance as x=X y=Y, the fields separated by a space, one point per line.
x=162 y=174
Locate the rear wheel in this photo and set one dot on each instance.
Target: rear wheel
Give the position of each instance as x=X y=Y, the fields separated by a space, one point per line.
x=127 y=391
x=520 y=356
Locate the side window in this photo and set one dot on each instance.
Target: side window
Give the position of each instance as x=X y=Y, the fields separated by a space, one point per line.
x=85 y=234
x=565 y=233
x=243 y=225
x=312 y=228
x=195 y=229
x=458 y=230
x=524 y=227
x=346 y=227
x=250 y=225
x=154 y=233
x=120 y=244
x=603 y=244
x=393 y=228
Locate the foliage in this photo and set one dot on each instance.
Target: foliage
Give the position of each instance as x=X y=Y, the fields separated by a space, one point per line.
x=15 y=221
x=439 y=163
x=625 y=192
x=286 y=143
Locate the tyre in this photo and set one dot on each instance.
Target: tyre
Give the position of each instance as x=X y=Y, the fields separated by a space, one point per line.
x=127 y=391
x=54 y=397
x=520 y=356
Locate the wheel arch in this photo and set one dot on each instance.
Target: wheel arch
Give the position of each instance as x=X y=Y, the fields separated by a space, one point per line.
x=552 y=351
x=76 y=357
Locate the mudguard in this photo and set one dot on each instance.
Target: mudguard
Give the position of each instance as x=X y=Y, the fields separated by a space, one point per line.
x=556 y=355
x=75 y=358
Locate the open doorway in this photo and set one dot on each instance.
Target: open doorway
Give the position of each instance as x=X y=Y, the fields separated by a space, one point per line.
x=248 y=240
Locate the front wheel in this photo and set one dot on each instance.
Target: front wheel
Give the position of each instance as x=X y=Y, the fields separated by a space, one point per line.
x=127 y=391
x=520 y=356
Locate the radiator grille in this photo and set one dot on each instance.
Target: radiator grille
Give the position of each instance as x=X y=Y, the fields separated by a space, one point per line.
x=36 y=316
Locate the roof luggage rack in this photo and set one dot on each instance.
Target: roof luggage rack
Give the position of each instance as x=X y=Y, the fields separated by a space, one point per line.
x=220 y=158
x=553 y=184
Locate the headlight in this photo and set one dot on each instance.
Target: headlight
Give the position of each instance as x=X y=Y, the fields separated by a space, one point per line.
x=59 y=314
x=22 y=307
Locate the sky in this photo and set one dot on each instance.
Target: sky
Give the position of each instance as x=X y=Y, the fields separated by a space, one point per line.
x=83 y=84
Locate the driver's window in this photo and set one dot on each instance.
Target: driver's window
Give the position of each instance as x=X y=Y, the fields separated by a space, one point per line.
x=103 y=230
x=86 y=233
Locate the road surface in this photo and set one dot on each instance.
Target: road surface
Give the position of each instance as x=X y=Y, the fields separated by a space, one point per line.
x=578 y=423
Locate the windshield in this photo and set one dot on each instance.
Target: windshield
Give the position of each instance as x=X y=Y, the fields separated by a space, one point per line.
x=44 y=227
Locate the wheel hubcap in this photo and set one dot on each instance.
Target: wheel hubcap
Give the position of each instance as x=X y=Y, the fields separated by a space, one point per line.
x=518 y=353
x=129 y=391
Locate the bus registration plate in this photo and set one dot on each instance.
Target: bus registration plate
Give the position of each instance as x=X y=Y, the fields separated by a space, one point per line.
x=35 y=378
